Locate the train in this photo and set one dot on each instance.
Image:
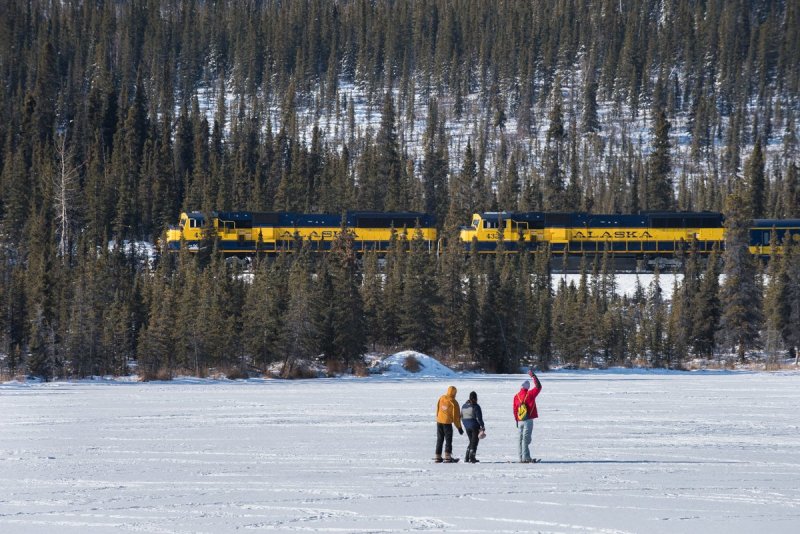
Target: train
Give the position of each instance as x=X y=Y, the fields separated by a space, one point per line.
x=635 y=241
x=643 y=240
x=244 y=233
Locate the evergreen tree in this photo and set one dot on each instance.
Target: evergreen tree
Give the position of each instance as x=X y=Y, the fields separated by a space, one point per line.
x=659 y=183
x=155 y=348
x=756 y=181
x=740 y=294
x=542 y=341
x=451 y=297
x=434 y=164
x=491 y=343
x=418 y=326
x=554 y=155
x=791 y=198
x=589 y=121
x=299 y=339
x=656 y=323
x=706 y=310
x=388 y=165
x=264 y=312
x=509 y=187
x=776 y=311
x=372 y=297
x=789 y=299
x=349 y=342
x=393 y=288
x=463 y=201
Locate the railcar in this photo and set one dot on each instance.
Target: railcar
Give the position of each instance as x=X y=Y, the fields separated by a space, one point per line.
x=649 y=238
x=246 y=233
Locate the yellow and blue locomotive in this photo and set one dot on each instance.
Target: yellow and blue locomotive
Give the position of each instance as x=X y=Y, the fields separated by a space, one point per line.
x=655 y=237
x=246 y=232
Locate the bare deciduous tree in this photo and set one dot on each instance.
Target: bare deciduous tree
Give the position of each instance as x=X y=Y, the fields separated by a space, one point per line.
x=65 y=188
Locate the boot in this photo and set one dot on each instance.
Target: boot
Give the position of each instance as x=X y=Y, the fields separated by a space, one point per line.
x=438 y=459
x=472 y=458
x=448 y=458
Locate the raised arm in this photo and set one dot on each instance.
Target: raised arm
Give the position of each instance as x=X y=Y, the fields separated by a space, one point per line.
x=535 y=379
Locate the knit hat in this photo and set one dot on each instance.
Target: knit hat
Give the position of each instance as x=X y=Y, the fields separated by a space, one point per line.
x=526 y=385
x=473 y=396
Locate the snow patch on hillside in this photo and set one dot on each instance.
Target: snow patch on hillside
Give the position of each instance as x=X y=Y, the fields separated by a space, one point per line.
x=396 y=366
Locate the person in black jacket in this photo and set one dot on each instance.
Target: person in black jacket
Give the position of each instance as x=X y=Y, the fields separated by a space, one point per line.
x=472 y=418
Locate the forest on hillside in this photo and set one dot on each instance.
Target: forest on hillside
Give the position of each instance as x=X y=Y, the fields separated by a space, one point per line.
x=118 y=115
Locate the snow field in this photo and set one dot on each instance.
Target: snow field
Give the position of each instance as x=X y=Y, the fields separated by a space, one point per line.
x=624 y=451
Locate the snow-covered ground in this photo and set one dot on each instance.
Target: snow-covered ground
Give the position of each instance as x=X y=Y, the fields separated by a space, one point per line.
x=624 y=451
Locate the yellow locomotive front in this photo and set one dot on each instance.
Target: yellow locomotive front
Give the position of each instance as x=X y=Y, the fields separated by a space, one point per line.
x=515 y=230
x=189 y=231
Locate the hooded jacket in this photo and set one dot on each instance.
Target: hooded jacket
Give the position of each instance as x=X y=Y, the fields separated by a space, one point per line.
x=528 y=396
x=447 y=410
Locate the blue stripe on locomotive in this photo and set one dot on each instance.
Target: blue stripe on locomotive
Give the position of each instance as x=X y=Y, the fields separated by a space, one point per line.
x=353 y=219
x=653 y=219
x=761 y=231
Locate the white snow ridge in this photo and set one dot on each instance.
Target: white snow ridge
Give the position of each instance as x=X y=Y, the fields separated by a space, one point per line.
x=401 y=364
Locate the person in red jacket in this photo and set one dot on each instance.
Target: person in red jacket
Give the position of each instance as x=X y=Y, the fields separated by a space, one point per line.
x=524 y=413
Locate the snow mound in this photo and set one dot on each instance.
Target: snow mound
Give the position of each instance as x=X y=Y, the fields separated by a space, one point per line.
x=398 y=365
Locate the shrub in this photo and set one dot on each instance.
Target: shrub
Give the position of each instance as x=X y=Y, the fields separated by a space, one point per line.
x=162 y=374
x=334 y=367
x=360 y=369
x=236 y=374
x=411 y=364
x=299 y=371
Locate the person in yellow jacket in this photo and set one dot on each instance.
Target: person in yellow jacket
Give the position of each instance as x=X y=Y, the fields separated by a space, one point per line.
x=447 y=414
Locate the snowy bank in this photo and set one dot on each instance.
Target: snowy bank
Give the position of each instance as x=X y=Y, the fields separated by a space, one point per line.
x=412 y=364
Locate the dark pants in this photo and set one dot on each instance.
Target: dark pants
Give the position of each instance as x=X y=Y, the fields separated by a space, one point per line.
x=472 y=434
x=444 y=433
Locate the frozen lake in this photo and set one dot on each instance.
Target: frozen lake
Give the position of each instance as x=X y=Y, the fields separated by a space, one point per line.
x=622 y=452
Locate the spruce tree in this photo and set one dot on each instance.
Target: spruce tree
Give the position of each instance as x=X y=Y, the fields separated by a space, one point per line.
x=451 y=298
x=589 y=121
x=388 y=164
x=776 y=309
x=543 y=311
x=659 y=183
x=656 y=314
x=372 y=297
x=393 y=288
x=349 y=342
x=491 y=344
x=463 y=202
x=790 y=301
x=418 y=320
x=756 y=181
x=264 y=312
x=706 y=310
x=740 y=295
x=434 y=164
x=300 y=331
x=555 y=155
